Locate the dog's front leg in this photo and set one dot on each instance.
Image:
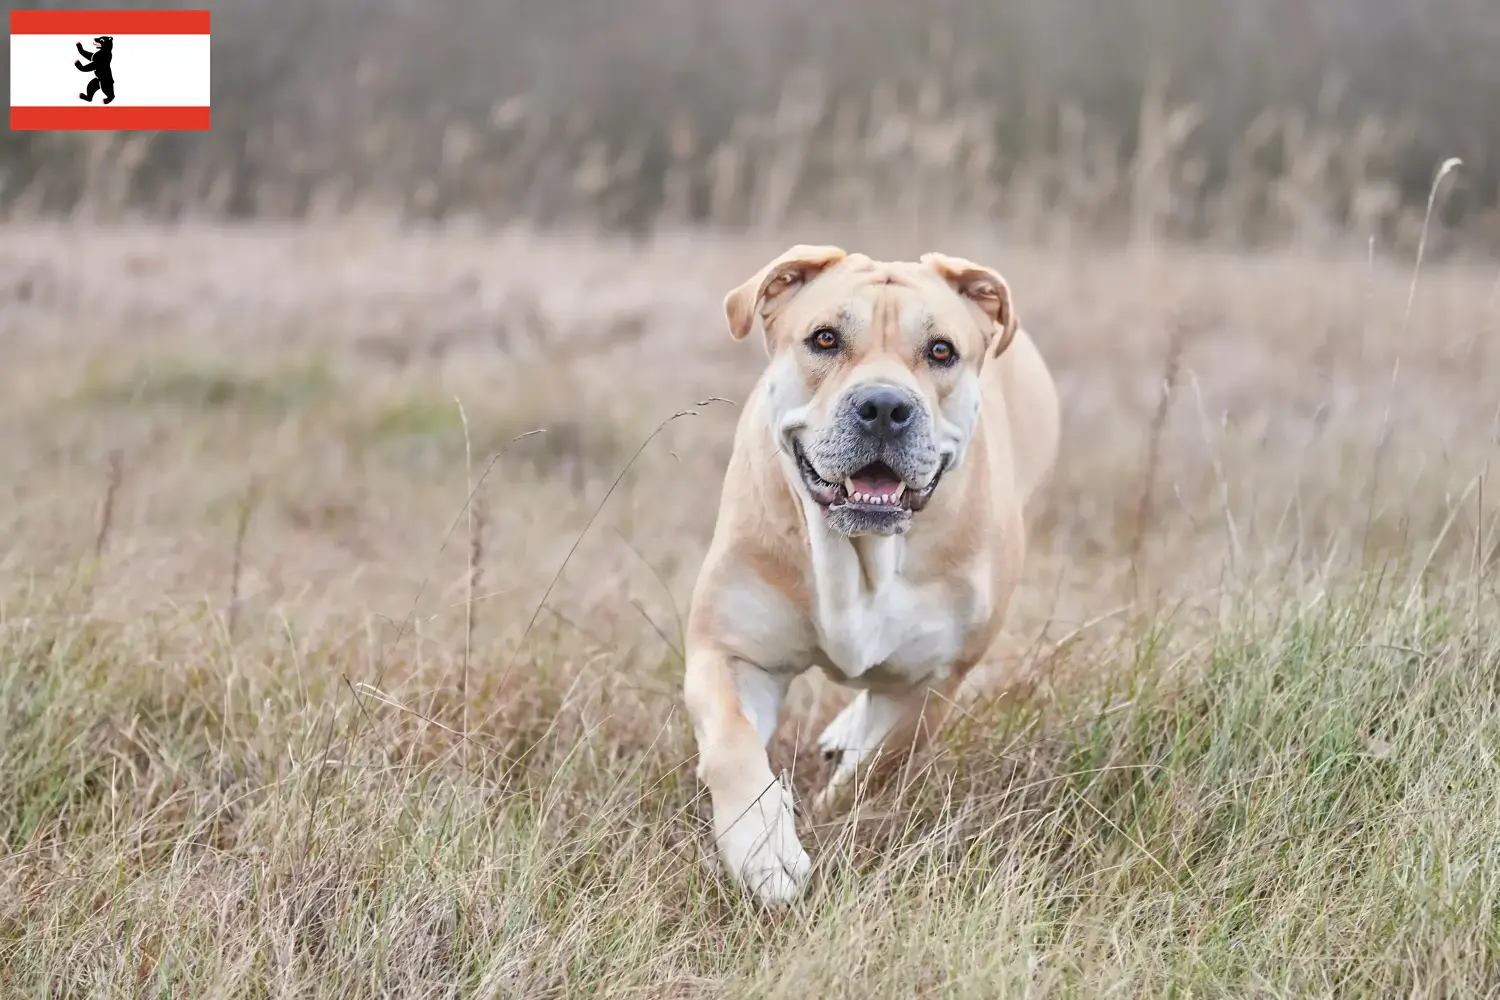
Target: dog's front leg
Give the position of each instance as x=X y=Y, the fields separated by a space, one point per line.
x=734 y=707
x=877 y=722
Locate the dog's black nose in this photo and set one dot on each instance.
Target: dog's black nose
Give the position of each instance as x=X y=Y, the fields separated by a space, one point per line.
x=883 y=410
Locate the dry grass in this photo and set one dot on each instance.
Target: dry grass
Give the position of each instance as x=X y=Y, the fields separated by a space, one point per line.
x=257 y=740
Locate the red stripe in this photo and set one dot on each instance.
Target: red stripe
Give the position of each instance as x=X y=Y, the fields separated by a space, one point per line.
x=109 y=22
x=107 y=119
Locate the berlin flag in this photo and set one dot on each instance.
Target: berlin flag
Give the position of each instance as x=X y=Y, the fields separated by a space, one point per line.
x=109 y=69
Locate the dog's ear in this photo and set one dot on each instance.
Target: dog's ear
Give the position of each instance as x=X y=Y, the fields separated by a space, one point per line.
x=984 y=289
x=774 y=285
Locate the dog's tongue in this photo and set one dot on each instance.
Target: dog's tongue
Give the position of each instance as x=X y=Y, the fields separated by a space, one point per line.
x=876 y=480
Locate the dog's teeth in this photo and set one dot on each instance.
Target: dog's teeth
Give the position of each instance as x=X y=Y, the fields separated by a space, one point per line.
x=849 y=486
x=900 y=489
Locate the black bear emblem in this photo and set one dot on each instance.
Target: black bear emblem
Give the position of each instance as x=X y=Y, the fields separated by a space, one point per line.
x=104 y=77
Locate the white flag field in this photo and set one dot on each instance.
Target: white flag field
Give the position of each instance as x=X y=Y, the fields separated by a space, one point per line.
x=109 y=69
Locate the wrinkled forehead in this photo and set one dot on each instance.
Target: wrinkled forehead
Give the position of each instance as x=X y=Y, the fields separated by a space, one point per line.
x=896 y=298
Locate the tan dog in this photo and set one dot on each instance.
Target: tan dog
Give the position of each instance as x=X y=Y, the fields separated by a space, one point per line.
x=870 y=521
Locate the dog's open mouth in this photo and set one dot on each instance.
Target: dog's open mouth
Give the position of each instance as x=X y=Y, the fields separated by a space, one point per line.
x=876 y=487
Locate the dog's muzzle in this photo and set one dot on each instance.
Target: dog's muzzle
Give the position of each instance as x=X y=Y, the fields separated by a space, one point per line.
x=875 y=465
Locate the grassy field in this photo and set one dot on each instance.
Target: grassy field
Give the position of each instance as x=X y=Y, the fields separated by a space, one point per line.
x=282 y=716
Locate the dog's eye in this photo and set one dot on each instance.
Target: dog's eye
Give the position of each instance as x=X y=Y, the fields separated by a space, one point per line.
x=941 y=352
x=824 y=340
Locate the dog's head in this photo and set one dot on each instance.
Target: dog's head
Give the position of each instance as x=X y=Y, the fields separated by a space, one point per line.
x=105 y=42
x=873 y=388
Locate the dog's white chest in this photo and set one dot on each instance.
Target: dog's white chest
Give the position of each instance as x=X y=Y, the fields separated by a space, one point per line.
x=876 y=625
x=895 y=633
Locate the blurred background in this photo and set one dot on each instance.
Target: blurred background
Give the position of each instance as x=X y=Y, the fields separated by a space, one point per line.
x=1238 y=229
x=1248 y=121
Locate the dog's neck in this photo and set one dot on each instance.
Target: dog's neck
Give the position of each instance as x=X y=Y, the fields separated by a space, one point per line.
x=880 y=559
x=846 y=568
x=848 y=572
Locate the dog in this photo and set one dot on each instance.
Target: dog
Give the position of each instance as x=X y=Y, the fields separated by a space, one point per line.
x=870 y=523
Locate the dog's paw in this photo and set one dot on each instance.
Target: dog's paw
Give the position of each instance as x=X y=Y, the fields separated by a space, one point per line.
x=758 y=847
x=847 y=730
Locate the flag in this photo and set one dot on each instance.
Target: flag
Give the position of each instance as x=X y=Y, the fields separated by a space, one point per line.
x=109 y=69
